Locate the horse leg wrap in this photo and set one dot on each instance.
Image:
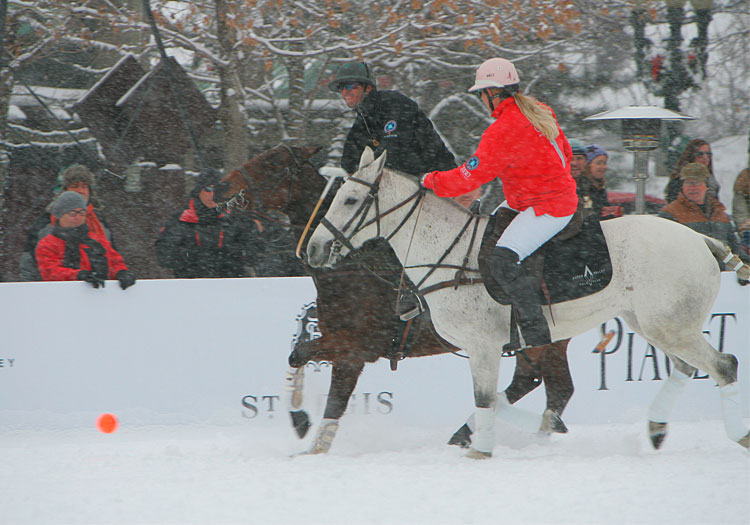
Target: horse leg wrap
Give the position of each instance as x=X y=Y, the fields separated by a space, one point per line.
x=483 y=440
x=662 y=405
x=731 y=410
x=324 y=437
x=294 y=385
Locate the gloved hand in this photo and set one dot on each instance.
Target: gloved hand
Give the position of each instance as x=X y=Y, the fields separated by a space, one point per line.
x=126 y=278
x=426 y=180
x=91 y=278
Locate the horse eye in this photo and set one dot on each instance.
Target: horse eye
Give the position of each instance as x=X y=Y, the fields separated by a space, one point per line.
x=351 y=201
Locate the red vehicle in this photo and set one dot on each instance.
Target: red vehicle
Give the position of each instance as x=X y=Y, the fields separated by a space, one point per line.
x=623 y=203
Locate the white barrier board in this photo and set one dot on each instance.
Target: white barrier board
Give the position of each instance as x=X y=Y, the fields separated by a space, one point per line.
x=193 y=351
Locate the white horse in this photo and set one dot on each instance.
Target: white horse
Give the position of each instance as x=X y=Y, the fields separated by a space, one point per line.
x=664 y=283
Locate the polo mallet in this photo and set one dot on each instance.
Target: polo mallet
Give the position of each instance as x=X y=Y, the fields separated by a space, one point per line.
x=331 y=179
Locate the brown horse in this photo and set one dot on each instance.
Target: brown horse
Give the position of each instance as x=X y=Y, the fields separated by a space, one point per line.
x=356 y=302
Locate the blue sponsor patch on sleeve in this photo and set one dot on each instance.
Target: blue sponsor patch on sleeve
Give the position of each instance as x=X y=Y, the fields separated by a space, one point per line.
x=472 y=163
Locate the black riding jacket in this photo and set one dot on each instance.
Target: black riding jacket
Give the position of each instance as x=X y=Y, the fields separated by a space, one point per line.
x=387 y=120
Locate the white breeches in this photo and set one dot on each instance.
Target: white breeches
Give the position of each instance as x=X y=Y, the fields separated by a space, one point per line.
x=528 y=231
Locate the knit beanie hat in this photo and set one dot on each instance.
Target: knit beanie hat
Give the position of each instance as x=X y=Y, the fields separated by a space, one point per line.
x=67 y=201
x=77 y=173
x=207 y=177
x=694 y=171
x=577 y=146
x=593 y=151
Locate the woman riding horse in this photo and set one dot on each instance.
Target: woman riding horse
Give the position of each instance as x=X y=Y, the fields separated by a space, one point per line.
x=528 y=151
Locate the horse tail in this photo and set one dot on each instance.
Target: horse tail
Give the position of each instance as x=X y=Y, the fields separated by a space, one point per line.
x=724 y=256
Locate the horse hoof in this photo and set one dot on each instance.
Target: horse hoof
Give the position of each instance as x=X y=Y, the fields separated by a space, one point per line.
x=462 y=437
x=657 y=432
x=552 y=422
x=300 y=422
x=476 y=454
x=745 y=441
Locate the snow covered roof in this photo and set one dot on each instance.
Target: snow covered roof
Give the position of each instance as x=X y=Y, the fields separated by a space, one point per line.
x=114 y=68
x=15 y=113
x=56 y=99
x=640 y=112
x=22 y=97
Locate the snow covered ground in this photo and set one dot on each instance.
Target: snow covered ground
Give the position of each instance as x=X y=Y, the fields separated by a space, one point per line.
x=375 y=473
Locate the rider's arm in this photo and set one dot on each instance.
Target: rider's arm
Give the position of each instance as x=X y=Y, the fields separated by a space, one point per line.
x=486 y=164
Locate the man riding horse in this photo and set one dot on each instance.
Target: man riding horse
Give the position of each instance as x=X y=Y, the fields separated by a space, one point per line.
x=387 y=120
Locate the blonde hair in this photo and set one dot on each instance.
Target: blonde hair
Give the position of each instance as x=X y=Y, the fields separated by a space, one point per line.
x=540 y=115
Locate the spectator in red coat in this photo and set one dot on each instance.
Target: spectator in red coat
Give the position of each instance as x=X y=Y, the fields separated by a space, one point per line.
x=528 y=151
x=73 y=252
x=76 y=178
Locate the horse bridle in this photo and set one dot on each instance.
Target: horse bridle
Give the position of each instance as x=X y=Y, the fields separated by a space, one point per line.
x=341 y=239
x=361 y=213
x=241 y=201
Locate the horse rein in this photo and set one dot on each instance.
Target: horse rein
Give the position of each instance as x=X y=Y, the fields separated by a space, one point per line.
x=343 y=240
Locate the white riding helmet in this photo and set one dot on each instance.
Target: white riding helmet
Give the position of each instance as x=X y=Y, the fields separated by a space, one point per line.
x=496 y=72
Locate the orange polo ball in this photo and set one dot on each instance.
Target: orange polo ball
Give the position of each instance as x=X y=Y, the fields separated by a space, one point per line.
x=107 y=423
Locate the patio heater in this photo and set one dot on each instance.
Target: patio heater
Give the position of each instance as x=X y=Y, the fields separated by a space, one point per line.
x=641 y=133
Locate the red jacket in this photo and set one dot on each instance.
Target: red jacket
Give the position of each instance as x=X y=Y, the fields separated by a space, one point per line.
x=535 y=171
x=50 y=253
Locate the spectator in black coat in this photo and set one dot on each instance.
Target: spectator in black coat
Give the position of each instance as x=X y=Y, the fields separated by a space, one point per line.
x=592 y=183
x=199 y=242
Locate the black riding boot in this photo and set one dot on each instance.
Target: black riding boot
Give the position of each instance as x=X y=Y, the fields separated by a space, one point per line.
x=507 y=271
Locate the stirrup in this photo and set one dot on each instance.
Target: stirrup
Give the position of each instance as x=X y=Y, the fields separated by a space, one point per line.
x=414 y=312
x=512 y=352
x=411 y=314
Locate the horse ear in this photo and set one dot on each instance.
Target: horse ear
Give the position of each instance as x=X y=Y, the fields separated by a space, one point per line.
x=367 y=157
x=309 y=151
x=381 y=161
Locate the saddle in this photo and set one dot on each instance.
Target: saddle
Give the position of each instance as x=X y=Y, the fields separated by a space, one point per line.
x=573 y=264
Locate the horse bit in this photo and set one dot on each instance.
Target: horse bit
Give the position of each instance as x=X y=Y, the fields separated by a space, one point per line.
x=241 y=200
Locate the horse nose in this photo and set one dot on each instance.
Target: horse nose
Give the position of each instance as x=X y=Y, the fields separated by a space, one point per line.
x=312 y=251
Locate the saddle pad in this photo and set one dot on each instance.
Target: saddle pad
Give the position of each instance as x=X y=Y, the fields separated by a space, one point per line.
x=579 y=266
x=574 y=267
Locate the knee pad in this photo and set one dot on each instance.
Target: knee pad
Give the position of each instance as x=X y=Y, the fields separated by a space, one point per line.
x=504 y=265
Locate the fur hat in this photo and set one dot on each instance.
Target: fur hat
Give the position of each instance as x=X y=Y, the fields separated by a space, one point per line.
x=67 y=201
x=577 y=146
x=77 y=173
x=694 y=171
x=593 y=151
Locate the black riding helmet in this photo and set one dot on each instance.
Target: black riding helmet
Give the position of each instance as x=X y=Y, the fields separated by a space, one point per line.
x=353 y=72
